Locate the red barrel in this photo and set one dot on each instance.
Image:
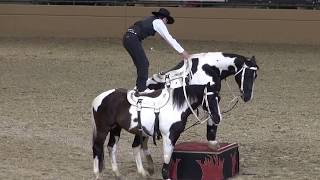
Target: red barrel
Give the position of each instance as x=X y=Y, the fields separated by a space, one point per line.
x=196 y=161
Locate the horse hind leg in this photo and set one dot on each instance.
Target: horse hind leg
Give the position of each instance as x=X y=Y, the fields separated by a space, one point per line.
x=137 y=155
x=98 y=152
x=147 y=154
x=112 y=149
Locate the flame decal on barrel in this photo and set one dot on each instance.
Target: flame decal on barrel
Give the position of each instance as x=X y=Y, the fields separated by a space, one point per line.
x=213 y=168
x=174 y=168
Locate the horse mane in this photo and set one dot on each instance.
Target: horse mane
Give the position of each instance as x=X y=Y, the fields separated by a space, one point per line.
x=192 y=91
x=178 y=66
x=240 y=60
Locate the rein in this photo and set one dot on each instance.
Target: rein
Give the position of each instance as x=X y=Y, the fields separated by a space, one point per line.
x=235 y=98
x=204 y=100
x=199 y=121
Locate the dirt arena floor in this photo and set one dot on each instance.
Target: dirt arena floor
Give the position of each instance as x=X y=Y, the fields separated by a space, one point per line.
x=47 y=86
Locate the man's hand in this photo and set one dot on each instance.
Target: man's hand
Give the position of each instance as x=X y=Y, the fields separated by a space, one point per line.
x=185 y=55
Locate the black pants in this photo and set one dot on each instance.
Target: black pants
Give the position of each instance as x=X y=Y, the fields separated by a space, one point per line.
x=134 y=47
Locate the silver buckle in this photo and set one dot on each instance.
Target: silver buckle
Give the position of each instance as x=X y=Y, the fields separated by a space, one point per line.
x=132 y=31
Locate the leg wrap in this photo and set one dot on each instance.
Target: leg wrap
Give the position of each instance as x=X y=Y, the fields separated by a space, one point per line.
x=165 y=171
x=211 y=132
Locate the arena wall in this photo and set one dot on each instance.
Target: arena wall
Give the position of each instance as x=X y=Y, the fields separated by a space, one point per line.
x=220 y=24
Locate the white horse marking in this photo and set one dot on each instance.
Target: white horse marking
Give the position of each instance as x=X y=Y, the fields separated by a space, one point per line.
x=97 y=101
x=137 y=157
x=113 y=157
x=96 y=167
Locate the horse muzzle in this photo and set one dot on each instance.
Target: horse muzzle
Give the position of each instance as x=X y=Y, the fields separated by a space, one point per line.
x=246 y=97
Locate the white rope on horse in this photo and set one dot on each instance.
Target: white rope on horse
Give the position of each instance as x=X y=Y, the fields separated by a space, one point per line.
x=185 y=93
x=235 y=98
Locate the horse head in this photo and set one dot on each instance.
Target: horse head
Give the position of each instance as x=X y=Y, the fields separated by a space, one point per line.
x=245 y=76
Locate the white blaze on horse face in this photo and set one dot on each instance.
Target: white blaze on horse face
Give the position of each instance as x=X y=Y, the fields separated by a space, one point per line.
x=98 y=100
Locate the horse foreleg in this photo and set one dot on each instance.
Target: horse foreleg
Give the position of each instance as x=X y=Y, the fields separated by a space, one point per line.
x=112 y=149
x=211 y=136
x=167 y=152
x=147 y=154
x=137 y=156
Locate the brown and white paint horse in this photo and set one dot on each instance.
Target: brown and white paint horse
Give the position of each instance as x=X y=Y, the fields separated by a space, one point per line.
x=112 y=112
x=204 y=68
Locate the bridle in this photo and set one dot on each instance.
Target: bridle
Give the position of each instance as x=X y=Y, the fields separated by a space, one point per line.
x=236 y=97
x=243 y=70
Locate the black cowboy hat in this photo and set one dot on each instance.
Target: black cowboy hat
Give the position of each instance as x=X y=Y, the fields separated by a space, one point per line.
x=164 y=13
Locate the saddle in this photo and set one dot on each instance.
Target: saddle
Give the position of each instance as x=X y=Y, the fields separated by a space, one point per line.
x=155 y=100
x=173 y=78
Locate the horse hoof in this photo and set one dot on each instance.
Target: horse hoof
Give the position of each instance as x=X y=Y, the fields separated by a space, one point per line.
x=214 y=145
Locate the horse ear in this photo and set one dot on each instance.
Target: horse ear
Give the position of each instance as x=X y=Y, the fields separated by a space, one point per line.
x=253 y=59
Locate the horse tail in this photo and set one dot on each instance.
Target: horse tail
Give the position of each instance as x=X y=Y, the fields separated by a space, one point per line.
x=94 y=127
x=98 y=138
x=97 y=148
x=99 y=133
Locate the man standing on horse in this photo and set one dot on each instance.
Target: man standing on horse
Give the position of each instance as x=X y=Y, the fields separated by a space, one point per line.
x=132 y=41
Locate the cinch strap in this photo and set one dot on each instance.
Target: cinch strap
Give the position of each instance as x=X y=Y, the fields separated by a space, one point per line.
x=156 y=132
x=139 y=121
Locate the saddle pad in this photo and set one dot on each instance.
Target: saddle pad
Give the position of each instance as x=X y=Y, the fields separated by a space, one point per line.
x=148 y=100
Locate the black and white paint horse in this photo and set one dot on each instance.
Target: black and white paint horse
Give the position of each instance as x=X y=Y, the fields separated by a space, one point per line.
x=112 y=112
x=205 y=66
